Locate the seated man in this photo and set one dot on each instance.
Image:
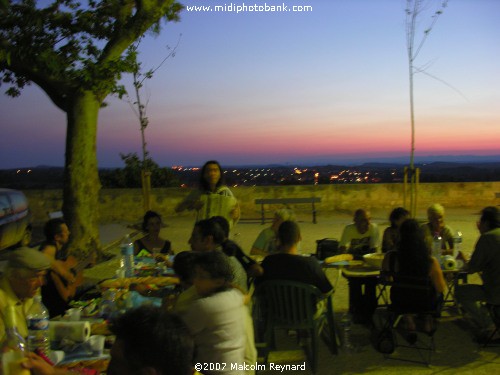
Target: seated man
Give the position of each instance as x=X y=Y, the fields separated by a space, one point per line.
x=24 y=275
x=287 y=264
x=208 y=235
x=436 y=225
x=485 y=259
x=265 y=243
x=358 y=239
x=148 y=341
x=231 y=248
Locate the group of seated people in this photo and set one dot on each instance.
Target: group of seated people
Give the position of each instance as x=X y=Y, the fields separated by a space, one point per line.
x=214 y=302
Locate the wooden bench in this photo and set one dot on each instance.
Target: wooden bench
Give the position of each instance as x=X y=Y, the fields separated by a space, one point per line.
x=286 y=202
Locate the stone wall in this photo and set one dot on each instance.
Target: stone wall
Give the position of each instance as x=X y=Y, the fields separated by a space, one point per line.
x=126 y=204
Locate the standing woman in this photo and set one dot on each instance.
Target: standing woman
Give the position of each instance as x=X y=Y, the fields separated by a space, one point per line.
x=213 y=197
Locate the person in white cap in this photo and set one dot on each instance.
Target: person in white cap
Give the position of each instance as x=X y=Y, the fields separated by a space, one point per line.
x=24 y=275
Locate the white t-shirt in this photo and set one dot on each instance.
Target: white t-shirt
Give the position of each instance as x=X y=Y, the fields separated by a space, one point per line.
x=357 y=243
x=217 y=324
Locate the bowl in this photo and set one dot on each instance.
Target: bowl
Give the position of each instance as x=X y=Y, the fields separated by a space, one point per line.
x=374 y=259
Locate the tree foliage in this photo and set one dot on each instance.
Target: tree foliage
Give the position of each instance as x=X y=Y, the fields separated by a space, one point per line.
x=76 y=52
x=130 y=175
x=69 y=46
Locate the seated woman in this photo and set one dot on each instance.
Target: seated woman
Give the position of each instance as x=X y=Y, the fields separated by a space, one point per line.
x=411 y=262
x=218 y=320
x=152 y=242
x=391 y=234
x=265 y=243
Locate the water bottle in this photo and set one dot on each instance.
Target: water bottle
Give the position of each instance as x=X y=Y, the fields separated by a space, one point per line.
x=37 y=319
x=346 y=324
x=457 y=243
x=127 y=251
x=436 y=247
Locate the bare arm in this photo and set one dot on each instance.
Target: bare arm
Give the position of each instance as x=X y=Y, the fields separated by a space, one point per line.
x=56 y=265
x=38 y=366
x=255 y=251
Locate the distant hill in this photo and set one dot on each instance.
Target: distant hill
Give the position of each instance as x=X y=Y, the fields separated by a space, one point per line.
x=46 y=177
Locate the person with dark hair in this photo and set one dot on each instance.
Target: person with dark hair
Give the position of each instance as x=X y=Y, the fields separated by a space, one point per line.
x=56 y=238
x=61 y=284
x=218 y=319
x=486 y=260
x=183 y=266
x=231 y=248
x=208 y=235
x=148 y=341
x=149 y=338
x=213 y=197
x=152 y=242
x=391 y=234
x=184 y=269
x=412 y=260
x=288 y=264
x=360 y=238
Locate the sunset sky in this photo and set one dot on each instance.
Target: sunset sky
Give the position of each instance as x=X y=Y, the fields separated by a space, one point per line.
x=328 y=85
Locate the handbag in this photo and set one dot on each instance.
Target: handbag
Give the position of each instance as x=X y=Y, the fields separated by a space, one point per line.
x=326 y=247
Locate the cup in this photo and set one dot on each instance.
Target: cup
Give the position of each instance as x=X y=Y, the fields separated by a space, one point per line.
x=73 y=315
x=96 y=343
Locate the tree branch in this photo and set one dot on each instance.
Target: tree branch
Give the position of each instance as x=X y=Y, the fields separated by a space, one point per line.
x=56 y=89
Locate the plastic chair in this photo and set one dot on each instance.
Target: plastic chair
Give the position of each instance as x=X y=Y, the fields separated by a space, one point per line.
x=291 y=305
x=413 y=296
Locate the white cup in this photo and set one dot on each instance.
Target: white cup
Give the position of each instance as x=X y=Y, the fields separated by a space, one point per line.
x=97 y=345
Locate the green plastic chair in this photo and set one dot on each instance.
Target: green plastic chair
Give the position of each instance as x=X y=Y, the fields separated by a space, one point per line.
x=291 y=305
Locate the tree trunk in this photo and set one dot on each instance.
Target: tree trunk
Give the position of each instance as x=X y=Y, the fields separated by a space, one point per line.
x=81 y=182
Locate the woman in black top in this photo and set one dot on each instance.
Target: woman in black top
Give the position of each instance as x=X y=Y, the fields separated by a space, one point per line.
x=152 y=242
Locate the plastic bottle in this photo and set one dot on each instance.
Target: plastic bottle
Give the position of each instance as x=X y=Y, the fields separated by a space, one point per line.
x=436 y=247
x=107 y=307
x=457 y=243
x=13 y=348
x=37 y=319
x=127 y=251
x=346 y=324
